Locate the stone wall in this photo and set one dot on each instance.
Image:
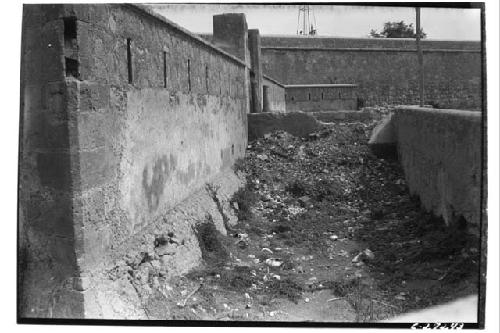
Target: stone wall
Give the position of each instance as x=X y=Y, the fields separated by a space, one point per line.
x=289 y=41
x=296 y=123
x=321 y=97
x=275 y=95
x=124 y=116
x=440 y=151
x=385 y=70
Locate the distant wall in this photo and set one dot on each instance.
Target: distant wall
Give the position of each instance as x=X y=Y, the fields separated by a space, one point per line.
x=321 y=97
x=385 y=70
x=276 y=95
x=296 y=123
x=440 y=151
x=124 y=115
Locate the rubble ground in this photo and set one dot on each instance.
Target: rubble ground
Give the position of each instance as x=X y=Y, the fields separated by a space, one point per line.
x=327 y=232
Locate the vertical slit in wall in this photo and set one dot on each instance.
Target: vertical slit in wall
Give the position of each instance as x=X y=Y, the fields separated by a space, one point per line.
x=220 y=85
x=164 y=69
x=70 y=31
x=189 y=74
x=206 y=77
x=129 y=61
x=72 y=67
x=71 y=47
x=322 y=96
x=309 y=96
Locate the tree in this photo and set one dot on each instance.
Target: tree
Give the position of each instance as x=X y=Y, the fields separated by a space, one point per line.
x=397 y=30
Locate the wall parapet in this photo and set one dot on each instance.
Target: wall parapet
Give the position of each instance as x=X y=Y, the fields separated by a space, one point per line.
x=365 y=42
x=440 y=152
x=322 y=85
x=203 y=42
x=267 y=77
x=366 y=49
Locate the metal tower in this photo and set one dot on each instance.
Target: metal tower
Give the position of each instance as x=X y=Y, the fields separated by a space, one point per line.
x=306 y=21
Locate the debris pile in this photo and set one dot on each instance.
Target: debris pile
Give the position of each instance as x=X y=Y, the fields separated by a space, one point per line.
x=323 y=214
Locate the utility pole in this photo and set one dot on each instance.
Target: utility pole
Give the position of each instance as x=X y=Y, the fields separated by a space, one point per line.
x=420 y=61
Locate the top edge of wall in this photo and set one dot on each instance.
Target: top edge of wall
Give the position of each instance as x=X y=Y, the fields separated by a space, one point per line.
x=291 y=41
x=322 y=85
x=273 y=80
x=364 y=38
x=448 y=112
x=150 y=12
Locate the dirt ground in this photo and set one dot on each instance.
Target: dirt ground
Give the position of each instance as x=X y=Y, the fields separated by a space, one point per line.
x=327 y=232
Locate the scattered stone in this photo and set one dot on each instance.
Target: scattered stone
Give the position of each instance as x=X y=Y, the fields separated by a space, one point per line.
x=357 y=258
x=369 y=254
x=274 y=262
x=242 y=244
x=304 y=200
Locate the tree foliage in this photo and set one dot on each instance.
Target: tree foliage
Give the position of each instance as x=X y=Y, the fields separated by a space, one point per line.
x=397 y=30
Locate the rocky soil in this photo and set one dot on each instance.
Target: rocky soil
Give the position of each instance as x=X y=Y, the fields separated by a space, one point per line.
x=327 y=232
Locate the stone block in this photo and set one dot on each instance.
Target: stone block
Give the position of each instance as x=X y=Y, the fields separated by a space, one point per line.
x=53 y=169
x=94 y=96
x=96 y=168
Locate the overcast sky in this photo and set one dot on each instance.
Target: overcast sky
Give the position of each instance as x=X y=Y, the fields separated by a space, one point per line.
x=341 y=21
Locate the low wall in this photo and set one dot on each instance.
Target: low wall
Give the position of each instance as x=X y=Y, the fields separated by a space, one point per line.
x=385 y=70
x=296 y=123
x=321 y=97
x=440 y=152
x=348 y=116
x=124 y=116
x=275 y=95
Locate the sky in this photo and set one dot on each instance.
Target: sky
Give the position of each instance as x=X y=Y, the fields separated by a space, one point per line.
x=340 y=21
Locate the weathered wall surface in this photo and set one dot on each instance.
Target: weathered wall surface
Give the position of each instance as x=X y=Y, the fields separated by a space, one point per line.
x=384 y=69
x=440 y=151
x=321 y=97
x=275 y=95
x=287 y=41
x=296 y=123
x=124 y=115
x=340 y=116
x=47 y=240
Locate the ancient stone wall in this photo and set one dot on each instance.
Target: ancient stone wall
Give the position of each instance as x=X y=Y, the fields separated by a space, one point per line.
x=296 y=123
x=124 y=115
x=288 y=41
x=275 y=95
x=321 y=97
x=385 y=70
x=440 y=151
